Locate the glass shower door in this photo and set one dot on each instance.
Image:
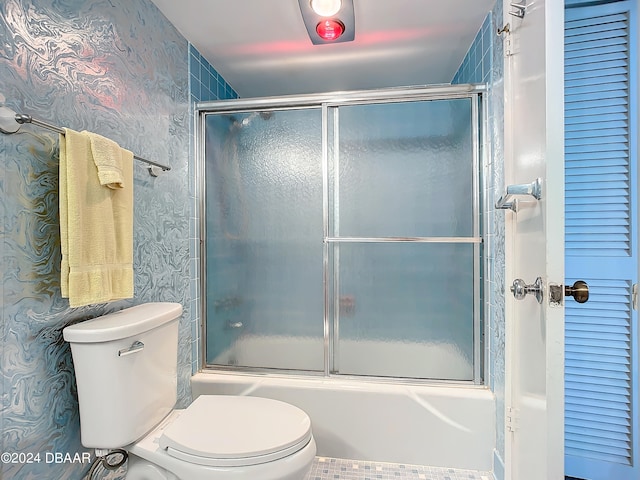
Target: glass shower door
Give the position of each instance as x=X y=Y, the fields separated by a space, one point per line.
x=264 y=254
x=342 y=235
x=404 y=231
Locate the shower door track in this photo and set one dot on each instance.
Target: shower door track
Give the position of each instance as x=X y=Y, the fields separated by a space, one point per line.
x=403 y=239
x=325 y=101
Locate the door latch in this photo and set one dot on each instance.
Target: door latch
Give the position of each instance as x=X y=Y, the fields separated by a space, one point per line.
x=579 y=291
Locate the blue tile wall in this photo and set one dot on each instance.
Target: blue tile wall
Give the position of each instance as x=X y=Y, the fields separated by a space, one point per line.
x=476 y=66
x=484 y=63
x=116 y=67
x=205 y=84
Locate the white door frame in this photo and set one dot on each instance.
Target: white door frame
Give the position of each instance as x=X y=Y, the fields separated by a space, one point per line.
x=534 y=244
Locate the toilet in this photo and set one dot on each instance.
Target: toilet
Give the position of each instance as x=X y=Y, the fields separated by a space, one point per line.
x=126 y=374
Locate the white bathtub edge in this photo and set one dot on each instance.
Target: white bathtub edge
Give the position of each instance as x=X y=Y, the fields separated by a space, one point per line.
x=441 y=426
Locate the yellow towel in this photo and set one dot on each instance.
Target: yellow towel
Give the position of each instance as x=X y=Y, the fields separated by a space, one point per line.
x=107 y=156
x=96 y=222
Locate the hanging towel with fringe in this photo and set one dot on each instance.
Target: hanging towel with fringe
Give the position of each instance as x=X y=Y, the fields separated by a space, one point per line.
x=96 y=219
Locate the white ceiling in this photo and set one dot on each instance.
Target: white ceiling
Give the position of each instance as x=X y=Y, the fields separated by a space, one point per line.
x=261 y=47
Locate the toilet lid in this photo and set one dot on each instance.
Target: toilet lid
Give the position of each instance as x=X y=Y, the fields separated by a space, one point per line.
x=228 y=430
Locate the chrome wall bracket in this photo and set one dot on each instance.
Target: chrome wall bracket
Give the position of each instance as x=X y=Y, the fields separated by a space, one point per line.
x=508 y=202
x=519 y=11
x=8 y=124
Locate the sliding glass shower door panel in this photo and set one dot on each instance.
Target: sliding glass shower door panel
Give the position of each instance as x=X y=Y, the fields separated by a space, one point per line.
x=264 y=260
x=406 y=310
x=405 y=239
x=405 y=170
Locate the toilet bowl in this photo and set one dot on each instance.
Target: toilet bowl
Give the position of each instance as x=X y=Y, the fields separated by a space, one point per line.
x=226 y=437
x=126 y=374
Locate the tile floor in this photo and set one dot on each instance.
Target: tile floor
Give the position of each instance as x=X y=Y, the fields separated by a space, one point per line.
x=324 y=468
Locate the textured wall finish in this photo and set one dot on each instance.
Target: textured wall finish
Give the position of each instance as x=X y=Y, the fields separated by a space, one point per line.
x=116 y=67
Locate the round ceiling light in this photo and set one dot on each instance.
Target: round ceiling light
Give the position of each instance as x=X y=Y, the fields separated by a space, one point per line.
x=326 y=8
x=330 y=29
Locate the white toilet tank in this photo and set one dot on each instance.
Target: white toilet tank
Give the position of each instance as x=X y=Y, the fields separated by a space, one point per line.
x=126 y=372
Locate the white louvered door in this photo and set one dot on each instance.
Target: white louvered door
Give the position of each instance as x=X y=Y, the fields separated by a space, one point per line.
x=601 y=361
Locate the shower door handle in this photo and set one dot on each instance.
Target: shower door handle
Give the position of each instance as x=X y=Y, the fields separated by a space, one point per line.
x=520 y=289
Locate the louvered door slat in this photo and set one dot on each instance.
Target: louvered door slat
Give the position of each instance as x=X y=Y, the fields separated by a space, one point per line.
x=579 y=404
x=596 y=106
x=601 y=87
x=585 y=133
x=573 y=57
x=587 y=74
x=614 y=439
x=571 y=25
x=587 y=170
x=615 y=183
x=614 y=436
x=607 y=94
x=605 y=457
x=601 y=375
x=600 y=32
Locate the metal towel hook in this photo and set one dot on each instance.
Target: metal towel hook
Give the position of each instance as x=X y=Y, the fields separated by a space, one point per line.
x=505 y=29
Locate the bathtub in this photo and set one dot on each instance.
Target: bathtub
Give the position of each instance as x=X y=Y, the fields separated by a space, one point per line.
x=436 y=425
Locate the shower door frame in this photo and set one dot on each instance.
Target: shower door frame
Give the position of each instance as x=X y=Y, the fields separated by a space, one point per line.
x=326 y=101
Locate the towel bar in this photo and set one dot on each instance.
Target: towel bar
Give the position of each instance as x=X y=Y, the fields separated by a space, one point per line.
x=7 y=125
x=507 y=202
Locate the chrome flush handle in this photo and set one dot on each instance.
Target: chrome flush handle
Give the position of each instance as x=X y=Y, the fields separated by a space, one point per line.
x=135 y=347
x=520 y=289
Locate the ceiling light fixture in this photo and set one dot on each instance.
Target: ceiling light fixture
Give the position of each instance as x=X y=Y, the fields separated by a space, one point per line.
x=328 y=21
x=330 y=30
x=326 y=8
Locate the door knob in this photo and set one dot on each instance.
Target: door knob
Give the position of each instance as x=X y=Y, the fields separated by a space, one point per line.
x=579 y=291
x=520 y=289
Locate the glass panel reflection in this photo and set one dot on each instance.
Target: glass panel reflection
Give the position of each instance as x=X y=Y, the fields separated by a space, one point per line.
x=264 y=221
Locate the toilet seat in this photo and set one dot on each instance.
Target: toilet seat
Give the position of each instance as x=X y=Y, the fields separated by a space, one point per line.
x=233 y=431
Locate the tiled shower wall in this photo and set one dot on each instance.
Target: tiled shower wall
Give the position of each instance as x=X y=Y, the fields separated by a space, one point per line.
x=205 y=84
x=484 y=64
x=119 y=68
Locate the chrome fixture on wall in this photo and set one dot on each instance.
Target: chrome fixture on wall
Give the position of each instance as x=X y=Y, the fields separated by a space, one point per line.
x=10 y=122
x=579 y=291
x=520 y=289
x=520 y=10
x=508 y=202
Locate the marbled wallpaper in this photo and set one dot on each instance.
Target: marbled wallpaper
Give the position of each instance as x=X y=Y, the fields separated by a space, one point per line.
x=484 y=63
x=119 y=68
